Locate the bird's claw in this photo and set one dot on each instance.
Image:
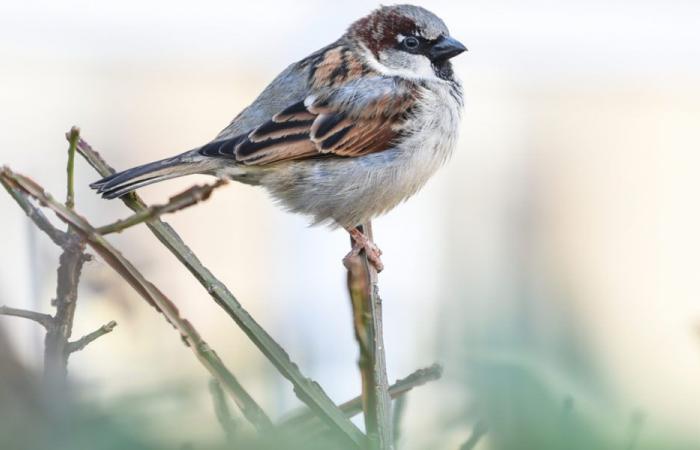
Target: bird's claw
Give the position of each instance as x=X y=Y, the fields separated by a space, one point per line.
x=362 y=242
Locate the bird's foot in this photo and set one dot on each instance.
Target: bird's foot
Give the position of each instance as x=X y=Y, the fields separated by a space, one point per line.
x=361 y=242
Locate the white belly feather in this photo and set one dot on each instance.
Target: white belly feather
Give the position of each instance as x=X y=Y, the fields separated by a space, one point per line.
x=351 y=191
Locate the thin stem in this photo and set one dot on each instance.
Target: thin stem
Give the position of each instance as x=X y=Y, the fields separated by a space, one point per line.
x=35 y=215
x=44 y=320
x=367 y=313
x=84 y=341
x=185 y=199
x=73 y=137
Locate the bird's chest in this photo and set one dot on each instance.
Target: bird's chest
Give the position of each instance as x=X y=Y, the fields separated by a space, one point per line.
x=349 y=191
x=389 y=177
x=431 y=137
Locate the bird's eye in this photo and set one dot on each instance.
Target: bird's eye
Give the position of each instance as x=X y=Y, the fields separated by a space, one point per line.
x=411 y=43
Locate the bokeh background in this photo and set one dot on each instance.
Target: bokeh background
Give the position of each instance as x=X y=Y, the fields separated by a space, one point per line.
x=551 y=266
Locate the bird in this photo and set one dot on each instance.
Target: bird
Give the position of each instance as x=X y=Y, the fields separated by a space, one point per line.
x=343 y=135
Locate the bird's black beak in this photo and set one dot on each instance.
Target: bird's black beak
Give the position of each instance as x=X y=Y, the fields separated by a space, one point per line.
x=445 y=48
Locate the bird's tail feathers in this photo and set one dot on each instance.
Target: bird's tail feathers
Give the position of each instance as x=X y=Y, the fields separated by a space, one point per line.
x=122 y=183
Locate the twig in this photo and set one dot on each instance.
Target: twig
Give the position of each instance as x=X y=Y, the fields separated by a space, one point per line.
x=83 y=342
x=44 y=320
x=35 y=215
x=306 y=389
x=354 y=406
x=222 y=411
x=150 y=293
x=417 y=378
x=185 y=199
x=73 y=136
x=367 y=313
x=480 y=429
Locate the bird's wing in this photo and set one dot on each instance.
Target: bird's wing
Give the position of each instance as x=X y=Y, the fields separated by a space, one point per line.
x=357 y=118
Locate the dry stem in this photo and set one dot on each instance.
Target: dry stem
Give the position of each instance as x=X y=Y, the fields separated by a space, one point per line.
x=44 y=320
x=367 y=313
x=84 y=341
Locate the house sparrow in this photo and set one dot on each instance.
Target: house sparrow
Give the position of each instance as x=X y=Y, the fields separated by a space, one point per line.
x=343 y=135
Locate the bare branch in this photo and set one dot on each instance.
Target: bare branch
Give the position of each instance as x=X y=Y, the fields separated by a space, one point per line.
x=367 y=314
x=44 y=320
x=83 y=342
x=56 y=342
x=183 y=200
x=417 y=378
x=151 y=294
x=35 y=215
x=306 y=389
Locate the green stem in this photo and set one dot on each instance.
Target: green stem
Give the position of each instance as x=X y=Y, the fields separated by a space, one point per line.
x=73 y=138
x=188 y=198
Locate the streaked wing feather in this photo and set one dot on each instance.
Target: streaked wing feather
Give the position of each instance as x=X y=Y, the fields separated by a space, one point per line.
x=352 y=113
x=224 y=148
x=297 y=111
x=275 y=130
x=273 y=150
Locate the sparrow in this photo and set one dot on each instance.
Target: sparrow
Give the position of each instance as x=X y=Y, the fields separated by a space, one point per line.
x=343 y=135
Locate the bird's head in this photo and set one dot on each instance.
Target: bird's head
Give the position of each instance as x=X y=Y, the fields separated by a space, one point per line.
x=407 y=41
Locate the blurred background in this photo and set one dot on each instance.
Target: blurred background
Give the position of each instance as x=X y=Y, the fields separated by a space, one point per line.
x=551 y=266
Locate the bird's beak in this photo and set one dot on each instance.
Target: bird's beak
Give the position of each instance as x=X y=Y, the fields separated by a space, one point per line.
x=445 y=48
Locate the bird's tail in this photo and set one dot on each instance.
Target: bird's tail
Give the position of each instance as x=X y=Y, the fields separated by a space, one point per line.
x=122 y=183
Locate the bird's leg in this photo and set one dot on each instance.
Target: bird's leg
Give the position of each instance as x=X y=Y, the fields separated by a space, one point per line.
x=361 y=242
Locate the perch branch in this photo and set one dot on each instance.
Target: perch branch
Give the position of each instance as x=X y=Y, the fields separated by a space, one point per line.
x=44 y=320
x=150 y=293
x=306 y=389
x=183 y=200
x=367 y=314
x=83 y=342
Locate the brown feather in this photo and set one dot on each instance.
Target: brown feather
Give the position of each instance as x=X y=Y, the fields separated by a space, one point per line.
x=276 y=130
x=322 y=127
x=279 y=151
